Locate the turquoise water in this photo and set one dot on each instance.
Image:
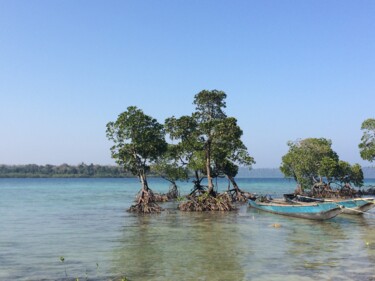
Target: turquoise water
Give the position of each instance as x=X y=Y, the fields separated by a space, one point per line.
x=84 y=220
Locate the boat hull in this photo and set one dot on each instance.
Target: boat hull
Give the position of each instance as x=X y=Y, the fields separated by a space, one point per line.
x=354 y=206
x=314 y=211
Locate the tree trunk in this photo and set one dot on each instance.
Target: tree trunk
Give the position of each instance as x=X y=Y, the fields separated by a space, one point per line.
x=235 y=186
x=197 y=184
x=239 y=195
x=146 y=200
x=143 y=179
x=208 y=168
x=173 y=191
x=146 y=195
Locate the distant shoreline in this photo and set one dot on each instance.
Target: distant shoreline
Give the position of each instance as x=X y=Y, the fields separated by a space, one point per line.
x=122 y=177
x=107 y=171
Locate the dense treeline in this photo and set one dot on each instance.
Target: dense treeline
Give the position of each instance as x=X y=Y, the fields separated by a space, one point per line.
x=61 y=171
x=206 y=143
x=100 y=171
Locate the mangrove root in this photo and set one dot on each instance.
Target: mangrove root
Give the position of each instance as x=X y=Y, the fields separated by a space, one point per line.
x=171 y=195
x=240 y=196
x=206 y=202
x=145 y=203
x=145 y=208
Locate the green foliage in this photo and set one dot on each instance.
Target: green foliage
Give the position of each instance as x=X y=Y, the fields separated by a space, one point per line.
x=170 y=171
x=189 y=150
x=328 y=168
x=138 y=140
x=209 y=106
x=61 y=171
x=306 y=158
x=62 y=259
x=310 y=160
x=210 y=141
x=167 y=166
x=227 y=168
x=350 y=174
x=180 y=198
x=228 y=150
x=367 y=145
x=209 y=116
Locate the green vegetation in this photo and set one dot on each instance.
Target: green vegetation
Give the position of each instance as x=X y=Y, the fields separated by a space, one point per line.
x=139 y=141
x=120 y=277
x=102 y=171
x=367 y=145
x=62 y=171
x=208 y=146
x=311 y=161
x=168 y=167
x=209 y=143
x=62 y=259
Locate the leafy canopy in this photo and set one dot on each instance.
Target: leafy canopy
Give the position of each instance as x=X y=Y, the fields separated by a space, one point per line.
x=168 y=166
x=188 y=150
x=208 y=138
x=310 y=160
x=209 y=106
x=138 y=140
x=367 y=145
x=228 y=149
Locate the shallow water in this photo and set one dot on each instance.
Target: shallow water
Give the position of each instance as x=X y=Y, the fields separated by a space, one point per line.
x=84 y=220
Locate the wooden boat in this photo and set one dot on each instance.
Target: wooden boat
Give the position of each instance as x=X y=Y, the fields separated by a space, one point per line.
x=356 y=206
x=315 y=211
x=353 y=206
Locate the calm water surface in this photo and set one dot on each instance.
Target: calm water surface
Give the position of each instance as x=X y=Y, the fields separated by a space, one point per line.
x=84 y=220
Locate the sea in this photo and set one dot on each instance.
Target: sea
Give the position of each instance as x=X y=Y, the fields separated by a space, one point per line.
x=78 y=229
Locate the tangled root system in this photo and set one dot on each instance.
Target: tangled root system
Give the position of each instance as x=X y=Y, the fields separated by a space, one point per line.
x=149 y=208
x=242 y=196
x=171 y=195
x=146 y=203
x=206 y=202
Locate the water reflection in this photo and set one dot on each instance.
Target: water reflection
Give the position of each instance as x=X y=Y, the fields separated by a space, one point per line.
x=368 y=240
x=313 y=250
x=314 y=247
x=244 y=245
x=86 y=223
x=193 y=245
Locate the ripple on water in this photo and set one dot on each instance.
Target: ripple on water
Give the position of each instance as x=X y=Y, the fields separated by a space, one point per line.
x=85 y=222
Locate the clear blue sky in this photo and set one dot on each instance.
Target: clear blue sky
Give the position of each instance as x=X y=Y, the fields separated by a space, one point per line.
x=291 y=69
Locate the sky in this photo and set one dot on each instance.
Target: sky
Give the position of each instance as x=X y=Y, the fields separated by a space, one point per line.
x=290 y=69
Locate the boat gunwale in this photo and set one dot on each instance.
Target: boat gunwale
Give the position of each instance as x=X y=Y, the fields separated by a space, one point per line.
x=358 y=209
x=321 y=215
